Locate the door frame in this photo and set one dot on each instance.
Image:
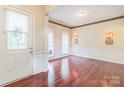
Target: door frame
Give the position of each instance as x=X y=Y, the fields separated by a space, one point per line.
x=32 y=27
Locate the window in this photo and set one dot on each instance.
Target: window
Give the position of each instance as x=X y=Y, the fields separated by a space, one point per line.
x=50 y=44
x=64 y=42
x=16 y=26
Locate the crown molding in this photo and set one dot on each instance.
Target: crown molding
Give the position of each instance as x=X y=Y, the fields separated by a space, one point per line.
x=101 y=21
x=59 y=24
x=92 y=23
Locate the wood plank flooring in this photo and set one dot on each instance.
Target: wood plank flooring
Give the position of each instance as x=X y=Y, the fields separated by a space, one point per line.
x=75 y=71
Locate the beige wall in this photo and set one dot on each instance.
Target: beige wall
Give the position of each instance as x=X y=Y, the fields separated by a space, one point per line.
x=93 y=35
x=58 y=37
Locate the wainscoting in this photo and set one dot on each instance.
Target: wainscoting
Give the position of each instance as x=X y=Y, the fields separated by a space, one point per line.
x=58 y=54
x=110 y=55
x=40 y=62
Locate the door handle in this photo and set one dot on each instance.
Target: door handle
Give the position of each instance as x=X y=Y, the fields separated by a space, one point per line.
x=31 y=50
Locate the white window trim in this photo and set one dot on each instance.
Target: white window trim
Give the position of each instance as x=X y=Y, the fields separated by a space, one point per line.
x=66 y=33
x=53 y=52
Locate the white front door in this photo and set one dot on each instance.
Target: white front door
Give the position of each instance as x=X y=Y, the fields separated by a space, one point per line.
x=15 y=44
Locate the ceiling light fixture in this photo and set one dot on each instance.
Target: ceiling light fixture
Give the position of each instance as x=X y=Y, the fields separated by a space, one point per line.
x=80 y=13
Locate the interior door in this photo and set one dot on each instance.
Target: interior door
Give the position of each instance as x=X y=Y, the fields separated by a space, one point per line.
x=15 y=44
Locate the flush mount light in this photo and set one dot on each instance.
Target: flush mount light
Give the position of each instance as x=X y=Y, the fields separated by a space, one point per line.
x=80 y=13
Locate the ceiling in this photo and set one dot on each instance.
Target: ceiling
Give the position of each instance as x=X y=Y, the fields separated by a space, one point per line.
x=65 y=14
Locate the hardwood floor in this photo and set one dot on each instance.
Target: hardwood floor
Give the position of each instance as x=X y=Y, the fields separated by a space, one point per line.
x=75 y=71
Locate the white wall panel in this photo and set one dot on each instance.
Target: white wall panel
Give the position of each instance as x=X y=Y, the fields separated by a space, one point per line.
x=40 y=62
x=110 y=55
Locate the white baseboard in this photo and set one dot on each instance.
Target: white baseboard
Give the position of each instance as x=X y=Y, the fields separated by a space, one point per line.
x=59 y=56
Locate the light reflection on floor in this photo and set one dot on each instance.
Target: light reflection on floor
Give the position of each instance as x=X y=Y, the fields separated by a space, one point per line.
x=65 y=68
x=51 y=75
